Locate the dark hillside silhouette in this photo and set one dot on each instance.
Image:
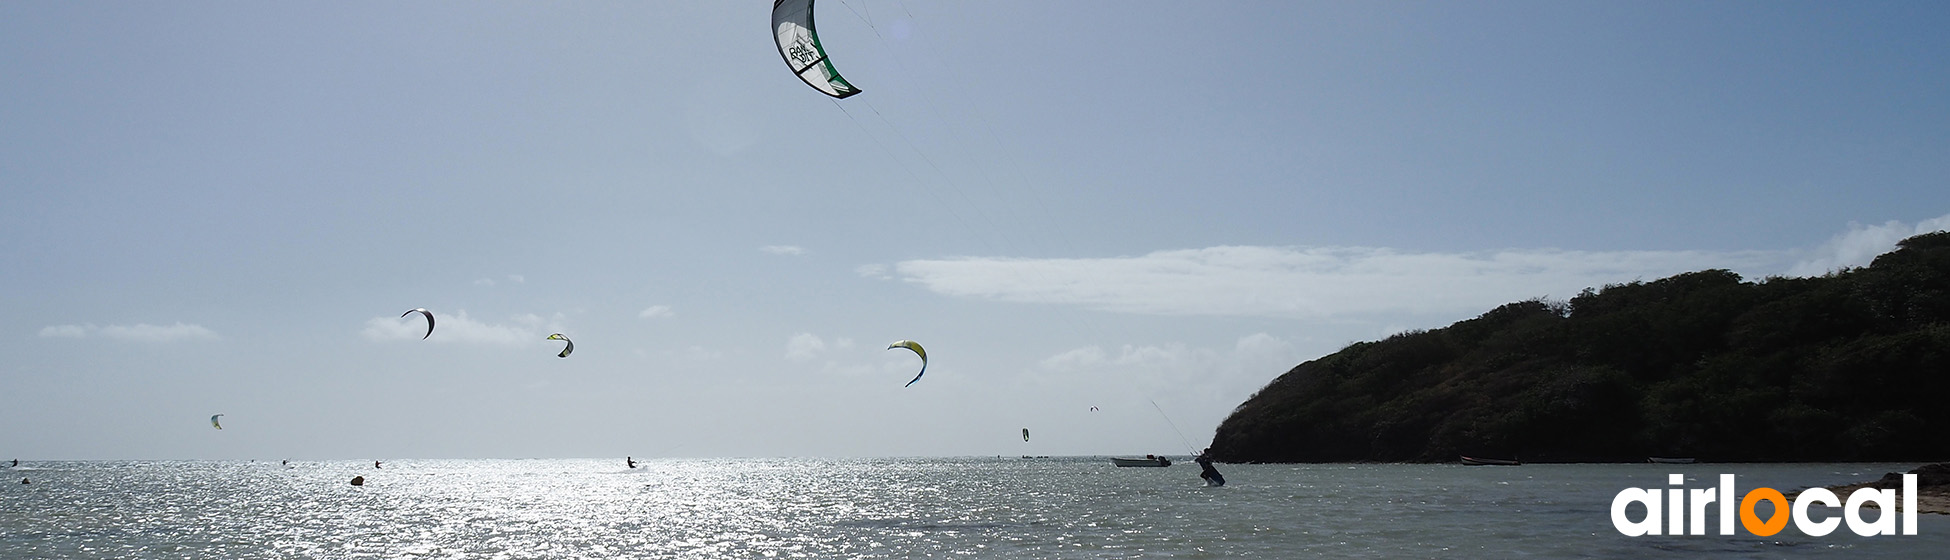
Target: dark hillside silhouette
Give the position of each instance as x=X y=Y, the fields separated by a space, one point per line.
x=1852 y=366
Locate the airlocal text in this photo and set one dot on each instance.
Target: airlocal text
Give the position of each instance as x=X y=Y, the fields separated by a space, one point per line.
x=1683 y=511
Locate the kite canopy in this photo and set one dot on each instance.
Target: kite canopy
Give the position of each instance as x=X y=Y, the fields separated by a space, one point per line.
x=213 y=422
x=1025 y=434
x=422 y=311
x=566 y=349
x=792 y=30
x=918 y=351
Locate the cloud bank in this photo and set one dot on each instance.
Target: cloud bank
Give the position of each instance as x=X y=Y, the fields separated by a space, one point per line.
x=1309 y=282
x=142 y=332
x=1860 y=244
x=1324 y=282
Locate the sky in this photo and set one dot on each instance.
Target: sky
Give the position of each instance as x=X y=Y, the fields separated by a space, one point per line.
x=1108 y=222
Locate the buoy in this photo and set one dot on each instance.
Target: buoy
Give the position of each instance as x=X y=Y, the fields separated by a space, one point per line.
x=358 y=481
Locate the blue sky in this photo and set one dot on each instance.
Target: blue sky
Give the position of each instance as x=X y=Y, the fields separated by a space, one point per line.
x=224 y=208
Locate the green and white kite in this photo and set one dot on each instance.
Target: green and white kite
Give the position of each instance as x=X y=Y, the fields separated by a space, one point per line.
x=792 y=29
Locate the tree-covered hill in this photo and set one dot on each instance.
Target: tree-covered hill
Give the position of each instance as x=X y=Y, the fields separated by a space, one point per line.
x=1852 y=366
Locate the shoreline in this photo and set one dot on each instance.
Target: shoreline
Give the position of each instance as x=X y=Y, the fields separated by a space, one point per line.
x=1929 y=499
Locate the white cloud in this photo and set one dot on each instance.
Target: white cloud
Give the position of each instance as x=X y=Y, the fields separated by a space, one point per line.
x=1170 y=356
x=1073 y=360
x=804 y=346
x=489 y=282
x=458 y=327
x=655 y=311
x=783 y=249
x=1861 y=244
x=1308 y=282
x=874 y=271
x=138 y=332
x=65 y=331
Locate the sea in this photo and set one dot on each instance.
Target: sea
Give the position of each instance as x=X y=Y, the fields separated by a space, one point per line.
x=966 y=507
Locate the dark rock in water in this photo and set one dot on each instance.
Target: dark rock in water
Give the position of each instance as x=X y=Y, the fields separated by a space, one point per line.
x=1935 y=474
x=358 y=481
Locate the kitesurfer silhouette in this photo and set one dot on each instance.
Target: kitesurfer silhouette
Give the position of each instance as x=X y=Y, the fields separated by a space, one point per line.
x=1211 y=475
x=630 y=461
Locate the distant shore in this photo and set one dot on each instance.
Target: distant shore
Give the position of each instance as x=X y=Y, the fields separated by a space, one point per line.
x=1932 y=487
x=1929 y=499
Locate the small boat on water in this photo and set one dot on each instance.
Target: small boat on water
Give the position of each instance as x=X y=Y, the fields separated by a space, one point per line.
x=1146 y=461
x=1670 y=460
x=1473 y=461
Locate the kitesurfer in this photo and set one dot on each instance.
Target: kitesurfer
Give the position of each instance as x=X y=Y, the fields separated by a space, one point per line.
x=375 y=464
x=1211 y=475
x=630 y=461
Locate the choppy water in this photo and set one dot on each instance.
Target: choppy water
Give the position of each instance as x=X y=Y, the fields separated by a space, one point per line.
x=876 y=508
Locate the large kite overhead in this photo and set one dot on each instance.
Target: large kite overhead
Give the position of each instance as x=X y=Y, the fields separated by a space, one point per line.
x=792 y=29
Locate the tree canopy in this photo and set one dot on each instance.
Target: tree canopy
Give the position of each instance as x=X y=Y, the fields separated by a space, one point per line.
x=1851 y=366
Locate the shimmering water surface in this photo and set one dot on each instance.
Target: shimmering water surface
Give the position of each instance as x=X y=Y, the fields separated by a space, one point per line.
x=877 y=508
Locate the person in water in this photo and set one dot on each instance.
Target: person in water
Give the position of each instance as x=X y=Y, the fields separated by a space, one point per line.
x=1211 y=475
x=630 y=461
x=375 y=464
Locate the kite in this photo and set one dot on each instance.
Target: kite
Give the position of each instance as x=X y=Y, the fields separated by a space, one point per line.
x=566 y=349
x=792 y=30
x=422 y=311
x=916 y=347
x=213 y=422
x=1025 y=434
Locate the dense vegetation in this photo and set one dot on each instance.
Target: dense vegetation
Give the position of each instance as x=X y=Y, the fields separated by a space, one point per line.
x=1852 y=366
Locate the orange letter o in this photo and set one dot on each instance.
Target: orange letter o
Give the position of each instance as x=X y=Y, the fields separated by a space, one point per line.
x=1752 y=522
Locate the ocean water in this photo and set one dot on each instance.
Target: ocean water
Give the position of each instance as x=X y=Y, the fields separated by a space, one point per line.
x=879 y=508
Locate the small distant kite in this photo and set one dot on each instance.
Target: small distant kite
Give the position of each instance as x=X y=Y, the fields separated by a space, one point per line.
x=1093 y=409
x=213 y=422
x=566 y=349
x=916 y=347
x=1025 y=434
x=422 y=311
